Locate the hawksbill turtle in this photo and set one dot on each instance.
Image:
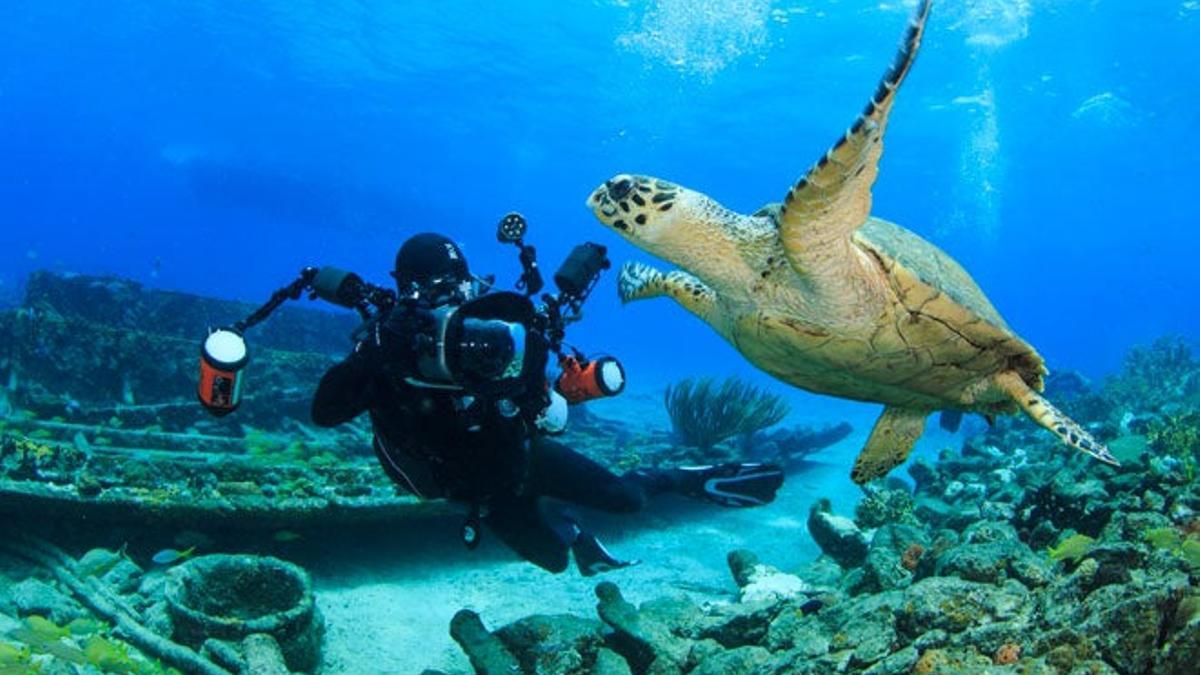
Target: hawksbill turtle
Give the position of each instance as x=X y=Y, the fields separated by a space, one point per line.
x=824 y=296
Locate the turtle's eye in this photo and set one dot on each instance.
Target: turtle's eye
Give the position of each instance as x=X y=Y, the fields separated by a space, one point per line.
x=619 y=189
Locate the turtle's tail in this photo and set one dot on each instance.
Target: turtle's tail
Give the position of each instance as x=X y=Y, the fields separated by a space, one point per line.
x=1044 y=413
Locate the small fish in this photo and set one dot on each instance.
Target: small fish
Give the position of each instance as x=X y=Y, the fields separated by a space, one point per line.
x=86 y=626
x=101 y=566
x=41 y=629
x=170 y=556
x=1072 y=548
x=284 y=536
x=811 y=607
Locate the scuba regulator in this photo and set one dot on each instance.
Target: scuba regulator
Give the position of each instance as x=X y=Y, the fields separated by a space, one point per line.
x=477 y=341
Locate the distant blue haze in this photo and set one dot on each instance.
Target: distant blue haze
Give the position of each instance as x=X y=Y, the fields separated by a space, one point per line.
x=218 y=147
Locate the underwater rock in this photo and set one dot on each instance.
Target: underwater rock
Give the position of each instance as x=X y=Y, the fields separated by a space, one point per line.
x=991 y=552
x=553 y=645
x=32 y=596
x=924 y=475
x=838 y=536
x=762 y=583
x=225 y=654
x=487 y=653
x=1115 y=562
x=882 y=506
x=740 y=624
x=1127 y=623
x=157 y=618
x=897 y=663
x=609 y=662
x=823 y=573
x=858 y=630
x=884 y=568
x=263 y=656
x=1083 y=505
x=954 y=605
x=644 y=642
x=941 y=514
x=126 y=304
x=790 y=447
x=955 y=660
x=1133 y=526
x=124 y=577
x=742 y=565
x=1181 y=653
x=748 y=659
x=793 y=630
x=229 y=597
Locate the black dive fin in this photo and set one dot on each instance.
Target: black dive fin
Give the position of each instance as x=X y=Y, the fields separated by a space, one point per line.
x=732 y=484
x=591 y=557
x=950 y=420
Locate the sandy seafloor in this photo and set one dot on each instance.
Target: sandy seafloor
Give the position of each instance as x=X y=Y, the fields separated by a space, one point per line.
x=388 y=605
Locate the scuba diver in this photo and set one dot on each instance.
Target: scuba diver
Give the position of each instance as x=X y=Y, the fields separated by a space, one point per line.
x=454 y=380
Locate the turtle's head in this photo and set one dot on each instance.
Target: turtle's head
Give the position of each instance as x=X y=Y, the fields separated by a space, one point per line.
x=639 y=208
x=659 y=217
x=648 y=211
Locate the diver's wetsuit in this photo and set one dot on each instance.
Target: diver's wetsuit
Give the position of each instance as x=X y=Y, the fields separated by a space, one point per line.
x=430 y=446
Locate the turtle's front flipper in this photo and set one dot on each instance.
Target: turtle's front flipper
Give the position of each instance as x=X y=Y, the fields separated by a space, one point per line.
x=1045 y=414
x=639 y=281
x=834 y=198
x=895 y=433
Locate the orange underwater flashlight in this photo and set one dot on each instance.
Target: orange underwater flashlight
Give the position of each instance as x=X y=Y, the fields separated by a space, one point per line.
x=222 y=357
x=582 y=380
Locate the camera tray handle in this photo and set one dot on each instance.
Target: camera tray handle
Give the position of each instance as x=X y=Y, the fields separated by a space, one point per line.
x=290 y=292
x=511 y=230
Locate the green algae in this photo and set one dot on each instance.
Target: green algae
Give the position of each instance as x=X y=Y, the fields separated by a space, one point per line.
x=1163 y=537
x=1190 y=552
x=1169 y=539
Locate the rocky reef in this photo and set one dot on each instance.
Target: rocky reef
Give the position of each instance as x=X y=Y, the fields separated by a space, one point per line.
x=210 y=615
x=1010 y=554
x=99 y=418
x=1006 y=554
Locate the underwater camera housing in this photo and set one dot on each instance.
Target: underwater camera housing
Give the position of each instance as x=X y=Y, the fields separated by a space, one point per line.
x=493 y=344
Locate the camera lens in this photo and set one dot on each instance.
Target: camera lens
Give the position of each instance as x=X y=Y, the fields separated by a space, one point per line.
x=490 y=349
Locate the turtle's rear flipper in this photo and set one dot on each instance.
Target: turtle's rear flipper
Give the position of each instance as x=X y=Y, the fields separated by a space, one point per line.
x=895 y=433
x=639 y=281
x=1044 y=413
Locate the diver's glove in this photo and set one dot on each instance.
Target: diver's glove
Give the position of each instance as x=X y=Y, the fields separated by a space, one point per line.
x=388 y=342
x=731 y=484
x=553 y=418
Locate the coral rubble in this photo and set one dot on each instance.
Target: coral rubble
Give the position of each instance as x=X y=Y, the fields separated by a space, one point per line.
x=1011 y=555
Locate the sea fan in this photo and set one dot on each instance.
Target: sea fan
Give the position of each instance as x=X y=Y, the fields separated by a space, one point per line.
x=704 y=413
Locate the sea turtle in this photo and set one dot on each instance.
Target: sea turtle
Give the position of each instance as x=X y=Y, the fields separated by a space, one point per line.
x=822 y=295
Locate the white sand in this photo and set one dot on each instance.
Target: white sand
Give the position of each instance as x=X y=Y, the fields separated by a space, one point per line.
x=394 y=616
x=391 y=614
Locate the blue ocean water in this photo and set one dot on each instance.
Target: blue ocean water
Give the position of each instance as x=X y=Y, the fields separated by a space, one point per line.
x=217 y=147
